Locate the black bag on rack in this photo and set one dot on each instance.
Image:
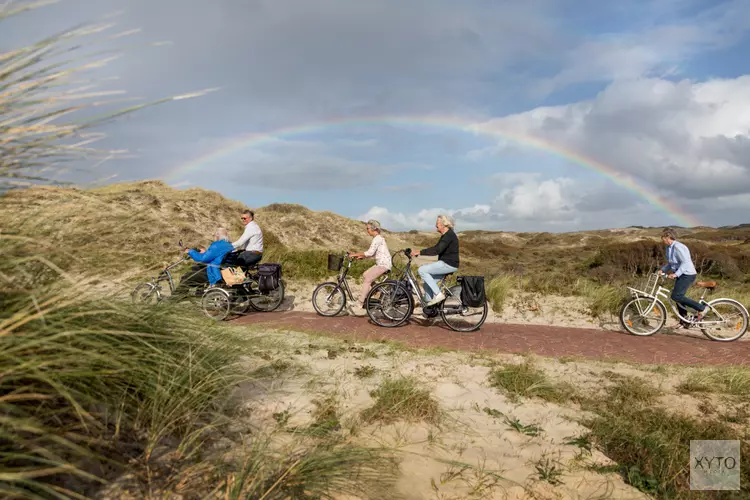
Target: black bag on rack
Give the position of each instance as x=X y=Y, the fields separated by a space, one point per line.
x=269 y=276
x=472 y=290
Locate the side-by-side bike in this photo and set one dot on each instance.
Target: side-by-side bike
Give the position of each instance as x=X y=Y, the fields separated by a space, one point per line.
x=260 y=287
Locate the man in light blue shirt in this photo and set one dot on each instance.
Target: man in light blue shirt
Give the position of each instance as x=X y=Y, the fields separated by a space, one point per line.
x=680 y=266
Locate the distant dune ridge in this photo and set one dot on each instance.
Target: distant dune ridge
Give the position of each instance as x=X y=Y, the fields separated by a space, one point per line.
x=120 y=226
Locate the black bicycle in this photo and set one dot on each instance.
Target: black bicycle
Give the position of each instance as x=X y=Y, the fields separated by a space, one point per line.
x=391 y=303
x=329 y=298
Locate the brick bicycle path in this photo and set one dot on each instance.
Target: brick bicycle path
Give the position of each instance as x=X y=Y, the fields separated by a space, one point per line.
x=548 y=341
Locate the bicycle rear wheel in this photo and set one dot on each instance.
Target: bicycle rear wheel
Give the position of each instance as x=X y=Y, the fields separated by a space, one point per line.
x=389 y=304
x=459 y=317
x=267 y=301
x=733 y=317
x=635 y=320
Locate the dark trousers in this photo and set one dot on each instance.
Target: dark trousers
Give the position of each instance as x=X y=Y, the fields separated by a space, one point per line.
x=248 y=259
x=681 y=286
x=198 y=276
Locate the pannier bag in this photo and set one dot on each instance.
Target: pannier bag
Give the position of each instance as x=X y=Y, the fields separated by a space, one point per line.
x=269 y=276
x=233 y=275
x=472 y=290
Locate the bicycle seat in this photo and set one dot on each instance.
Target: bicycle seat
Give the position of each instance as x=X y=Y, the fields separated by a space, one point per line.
x=706 y=284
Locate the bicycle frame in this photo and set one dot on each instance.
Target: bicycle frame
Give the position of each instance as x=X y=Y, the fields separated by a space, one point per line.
x=408 y=275
x=662 y=294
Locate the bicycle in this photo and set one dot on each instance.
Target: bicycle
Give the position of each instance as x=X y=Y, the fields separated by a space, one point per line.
x=337 y=293
x=650 y=301
x=391 y=296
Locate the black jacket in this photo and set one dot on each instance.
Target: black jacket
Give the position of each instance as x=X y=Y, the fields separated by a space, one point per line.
x=446 y=248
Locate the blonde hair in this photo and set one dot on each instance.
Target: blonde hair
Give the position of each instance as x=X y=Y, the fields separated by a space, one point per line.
x=447 y=221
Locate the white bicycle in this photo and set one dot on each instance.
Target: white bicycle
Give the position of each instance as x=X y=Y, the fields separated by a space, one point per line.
x=645 y=314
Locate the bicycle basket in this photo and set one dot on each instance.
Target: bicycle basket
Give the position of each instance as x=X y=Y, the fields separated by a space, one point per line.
x=335 y=262
x=648 y=284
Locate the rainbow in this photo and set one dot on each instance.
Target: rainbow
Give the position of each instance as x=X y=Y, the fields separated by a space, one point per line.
x=440 y=122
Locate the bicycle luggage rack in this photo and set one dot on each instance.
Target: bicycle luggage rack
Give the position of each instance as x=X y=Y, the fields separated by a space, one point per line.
x=335 y=262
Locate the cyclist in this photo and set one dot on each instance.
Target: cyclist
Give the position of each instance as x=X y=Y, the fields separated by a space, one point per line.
x=682 y=269
x=383 y=262
x=250 y=243
x=447 y=251
x=212 y=256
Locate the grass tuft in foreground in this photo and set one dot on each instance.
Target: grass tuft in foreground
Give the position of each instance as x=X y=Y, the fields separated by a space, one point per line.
x=402 y=399
x=525 y=380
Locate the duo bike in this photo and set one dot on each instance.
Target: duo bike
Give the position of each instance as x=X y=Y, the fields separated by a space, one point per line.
x=645 y=313
x=218 y=301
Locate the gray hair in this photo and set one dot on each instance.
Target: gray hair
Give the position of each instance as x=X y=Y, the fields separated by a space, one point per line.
x=221 y=234
x=670 y=233
x=447 y=221
x=374 y=225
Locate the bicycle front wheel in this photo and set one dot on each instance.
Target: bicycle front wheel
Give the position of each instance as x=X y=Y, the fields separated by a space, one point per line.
x=640 y=318
x=389 y=304
x=145 y=293
x=328 y=299
x=725 y=321
x=461 y=318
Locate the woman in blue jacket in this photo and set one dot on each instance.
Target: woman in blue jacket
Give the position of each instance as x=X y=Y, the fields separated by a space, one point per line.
x=212 y=257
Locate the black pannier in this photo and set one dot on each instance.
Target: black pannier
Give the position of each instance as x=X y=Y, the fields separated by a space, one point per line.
x=472 y=290
x=269 y=276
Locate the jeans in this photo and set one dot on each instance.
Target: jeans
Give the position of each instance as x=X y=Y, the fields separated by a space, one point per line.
x=431 y=273
x=681 y=286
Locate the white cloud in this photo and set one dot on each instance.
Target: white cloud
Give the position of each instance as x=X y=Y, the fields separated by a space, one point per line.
x=686 y=138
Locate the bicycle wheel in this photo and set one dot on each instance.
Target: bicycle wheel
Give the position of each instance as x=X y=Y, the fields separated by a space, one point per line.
x=732 y=320
x=459 y=317
x=388 y=304
x=634 y=321
x=333 y=299
x=267 y=301
x=216 y=304
x=145 y=293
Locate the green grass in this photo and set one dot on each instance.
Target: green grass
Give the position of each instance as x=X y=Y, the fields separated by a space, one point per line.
x=402 y=399
x=498 y=291
x=650 y=444
x=733 y=381
x=525 y=380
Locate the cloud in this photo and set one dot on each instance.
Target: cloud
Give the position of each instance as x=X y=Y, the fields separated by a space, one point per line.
x=657 y=50
x=685 y=138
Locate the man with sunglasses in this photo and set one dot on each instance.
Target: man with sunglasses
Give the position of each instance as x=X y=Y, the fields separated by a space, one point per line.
x=250 y=243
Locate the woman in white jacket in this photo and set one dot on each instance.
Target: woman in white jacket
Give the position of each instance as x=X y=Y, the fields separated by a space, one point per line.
x=379 y=250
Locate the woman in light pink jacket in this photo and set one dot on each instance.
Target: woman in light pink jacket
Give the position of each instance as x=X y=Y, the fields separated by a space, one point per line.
x=379 y=250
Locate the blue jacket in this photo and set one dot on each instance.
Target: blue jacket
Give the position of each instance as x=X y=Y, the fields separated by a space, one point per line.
x=213 y=256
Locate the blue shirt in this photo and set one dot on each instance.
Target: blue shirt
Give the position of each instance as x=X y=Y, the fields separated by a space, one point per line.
x=213 y=256
x=678 y=260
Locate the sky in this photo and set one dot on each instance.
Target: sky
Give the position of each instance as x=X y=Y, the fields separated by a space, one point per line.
x=533 y=115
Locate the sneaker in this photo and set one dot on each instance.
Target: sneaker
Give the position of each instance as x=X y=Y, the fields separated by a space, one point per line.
x=436 y=299
x=699 y=317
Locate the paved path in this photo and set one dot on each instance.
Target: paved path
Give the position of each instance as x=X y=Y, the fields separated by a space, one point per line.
x=549 y=341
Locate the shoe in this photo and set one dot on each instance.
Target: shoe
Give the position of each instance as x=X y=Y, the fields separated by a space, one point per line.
x=699 y=317
x=436 y=299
